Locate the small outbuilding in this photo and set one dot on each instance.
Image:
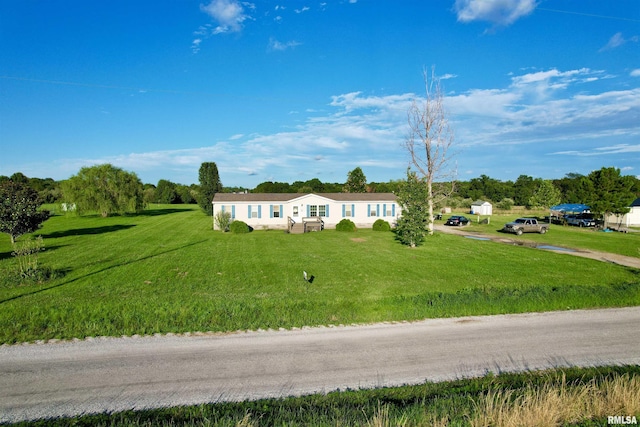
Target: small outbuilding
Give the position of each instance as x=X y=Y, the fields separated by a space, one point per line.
x=480 y=207
x=630 y=219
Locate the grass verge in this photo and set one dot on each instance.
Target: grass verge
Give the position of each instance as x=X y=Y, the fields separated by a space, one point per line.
x=566 y=397
x=167 y=271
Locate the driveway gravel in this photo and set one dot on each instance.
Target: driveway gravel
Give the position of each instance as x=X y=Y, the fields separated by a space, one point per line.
x=627 y=261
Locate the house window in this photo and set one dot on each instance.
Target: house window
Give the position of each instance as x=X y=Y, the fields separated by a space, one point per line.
x=373 y=211
x=389 y=211
x=347 y=211
x=295 y=211
x=230 y=209
x=276 y=211
x=254 y=211
x=318 y=210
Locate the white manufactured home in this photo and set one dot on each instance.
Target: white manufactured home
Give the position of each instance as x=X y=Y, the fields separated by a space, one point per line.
x=300 y=212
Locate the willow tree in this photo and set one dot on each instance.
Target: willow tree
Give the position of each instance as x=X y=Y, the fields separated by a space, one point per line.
x=429 y=143
x=106 y=189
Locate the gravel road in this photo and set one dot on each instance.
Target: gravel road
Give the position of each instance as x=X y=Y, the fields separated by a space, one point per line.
x=115 y=374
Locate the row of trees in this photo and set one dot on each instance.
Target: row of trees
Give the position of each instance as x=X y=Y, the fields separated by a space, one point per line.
x=573 y=188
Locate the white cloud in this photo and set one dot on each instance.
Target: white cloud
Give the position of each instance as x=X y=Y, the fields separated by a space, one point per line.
x=356 y=129
x=280 y=46
x=635 y=73
x=229 y=14
x=195 y=45
x=615 y=41
x=606 y=150
x=303 y=9
x=499 y=12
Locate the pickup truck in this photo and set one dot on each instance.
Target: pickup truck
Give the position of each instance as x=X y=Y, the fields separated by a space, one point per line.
x=525 y=225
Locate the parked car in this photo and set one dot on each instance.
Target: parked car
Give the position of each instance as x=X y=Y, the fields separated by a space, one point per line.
x=525 y=225
x=581 y=220
x=457 y=220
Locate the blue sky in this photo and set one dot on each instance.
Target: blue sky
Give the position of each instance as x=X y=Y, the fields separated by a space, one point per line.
x=292 y=90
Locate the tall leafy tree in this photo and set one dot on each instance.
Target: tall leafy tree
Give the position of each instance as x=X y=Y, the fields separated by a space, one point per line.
x=523 y=189
x=356 y=182
x=210 y=184
x=545 y=195
x=20 y=209
x=106 y=189
x=612 y=193
x=412 y=196
x=167 y=192
x=187 y=194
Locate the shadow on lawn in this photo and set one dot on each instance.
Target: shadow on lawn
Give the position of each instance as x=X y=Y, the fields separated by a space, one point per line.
x=85 y=231
x=158 y=212
x=98 y=272
x=7 y=255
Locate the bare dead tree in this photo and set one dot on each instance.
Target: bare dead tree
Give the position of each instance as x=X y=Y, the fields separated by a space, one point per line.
x=429 y=143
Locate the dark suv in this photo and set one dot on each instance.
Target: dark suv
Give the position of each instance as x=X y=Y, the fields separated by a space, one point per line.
x=457 y=220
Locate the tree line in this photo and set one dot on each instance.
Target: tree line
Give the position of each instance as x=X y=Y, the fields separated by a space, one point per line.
x=598 y=185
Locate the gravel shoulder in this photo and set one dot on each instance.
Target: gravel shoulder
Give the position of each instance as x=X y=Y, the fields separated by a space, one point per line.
x=116 y=374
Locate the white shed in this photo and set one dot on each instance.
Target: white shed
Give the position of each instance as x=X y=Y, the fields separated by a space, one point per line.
x=480 y=207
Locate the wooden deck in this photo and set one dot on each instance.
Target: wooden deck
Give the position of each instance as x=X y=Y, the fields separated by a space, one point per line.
x=306 y=225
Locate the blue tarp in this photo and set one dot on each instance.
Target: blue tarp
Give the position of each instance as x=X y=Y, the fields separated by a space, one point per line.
x=570 y=207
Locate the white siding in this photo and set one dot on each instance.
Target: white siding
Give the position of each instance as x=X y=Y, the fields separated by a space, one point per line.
x=630 y=219
x=260 y=214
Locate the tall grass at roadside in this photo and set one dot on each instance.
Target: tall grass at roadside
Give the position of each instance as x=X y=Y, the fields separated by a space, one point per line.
x=554 y=403
x=569 y=396
x=167 y=271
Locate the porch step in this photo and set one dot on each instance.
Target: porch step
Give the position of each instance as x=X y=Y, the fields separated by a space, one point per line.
x=297 y=228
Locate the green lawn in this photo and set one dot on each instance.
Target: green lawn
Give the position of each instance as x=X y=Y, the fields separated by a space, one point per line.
x=167 y=271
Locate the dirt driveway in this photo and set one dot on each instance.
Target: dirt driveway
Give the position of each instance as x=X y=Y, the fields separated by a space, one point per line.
x=627 y=261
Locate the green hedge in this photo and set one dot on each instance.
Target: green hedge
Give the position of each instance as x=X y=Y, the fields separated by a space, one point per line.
x=239 y=227
x=381 y=225
x=346 y=225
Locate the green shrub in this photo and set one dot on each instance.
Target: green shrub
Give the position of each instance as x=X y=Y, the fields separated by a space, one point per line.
x=381 y=225
x=239 y=227
x=506 y=204
x=223 y=219
x=346 y=225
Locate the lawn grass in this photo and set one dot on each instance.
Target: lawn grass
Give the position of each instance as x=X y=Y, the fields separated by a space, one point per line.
x=167 y=271
x=569 y=397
